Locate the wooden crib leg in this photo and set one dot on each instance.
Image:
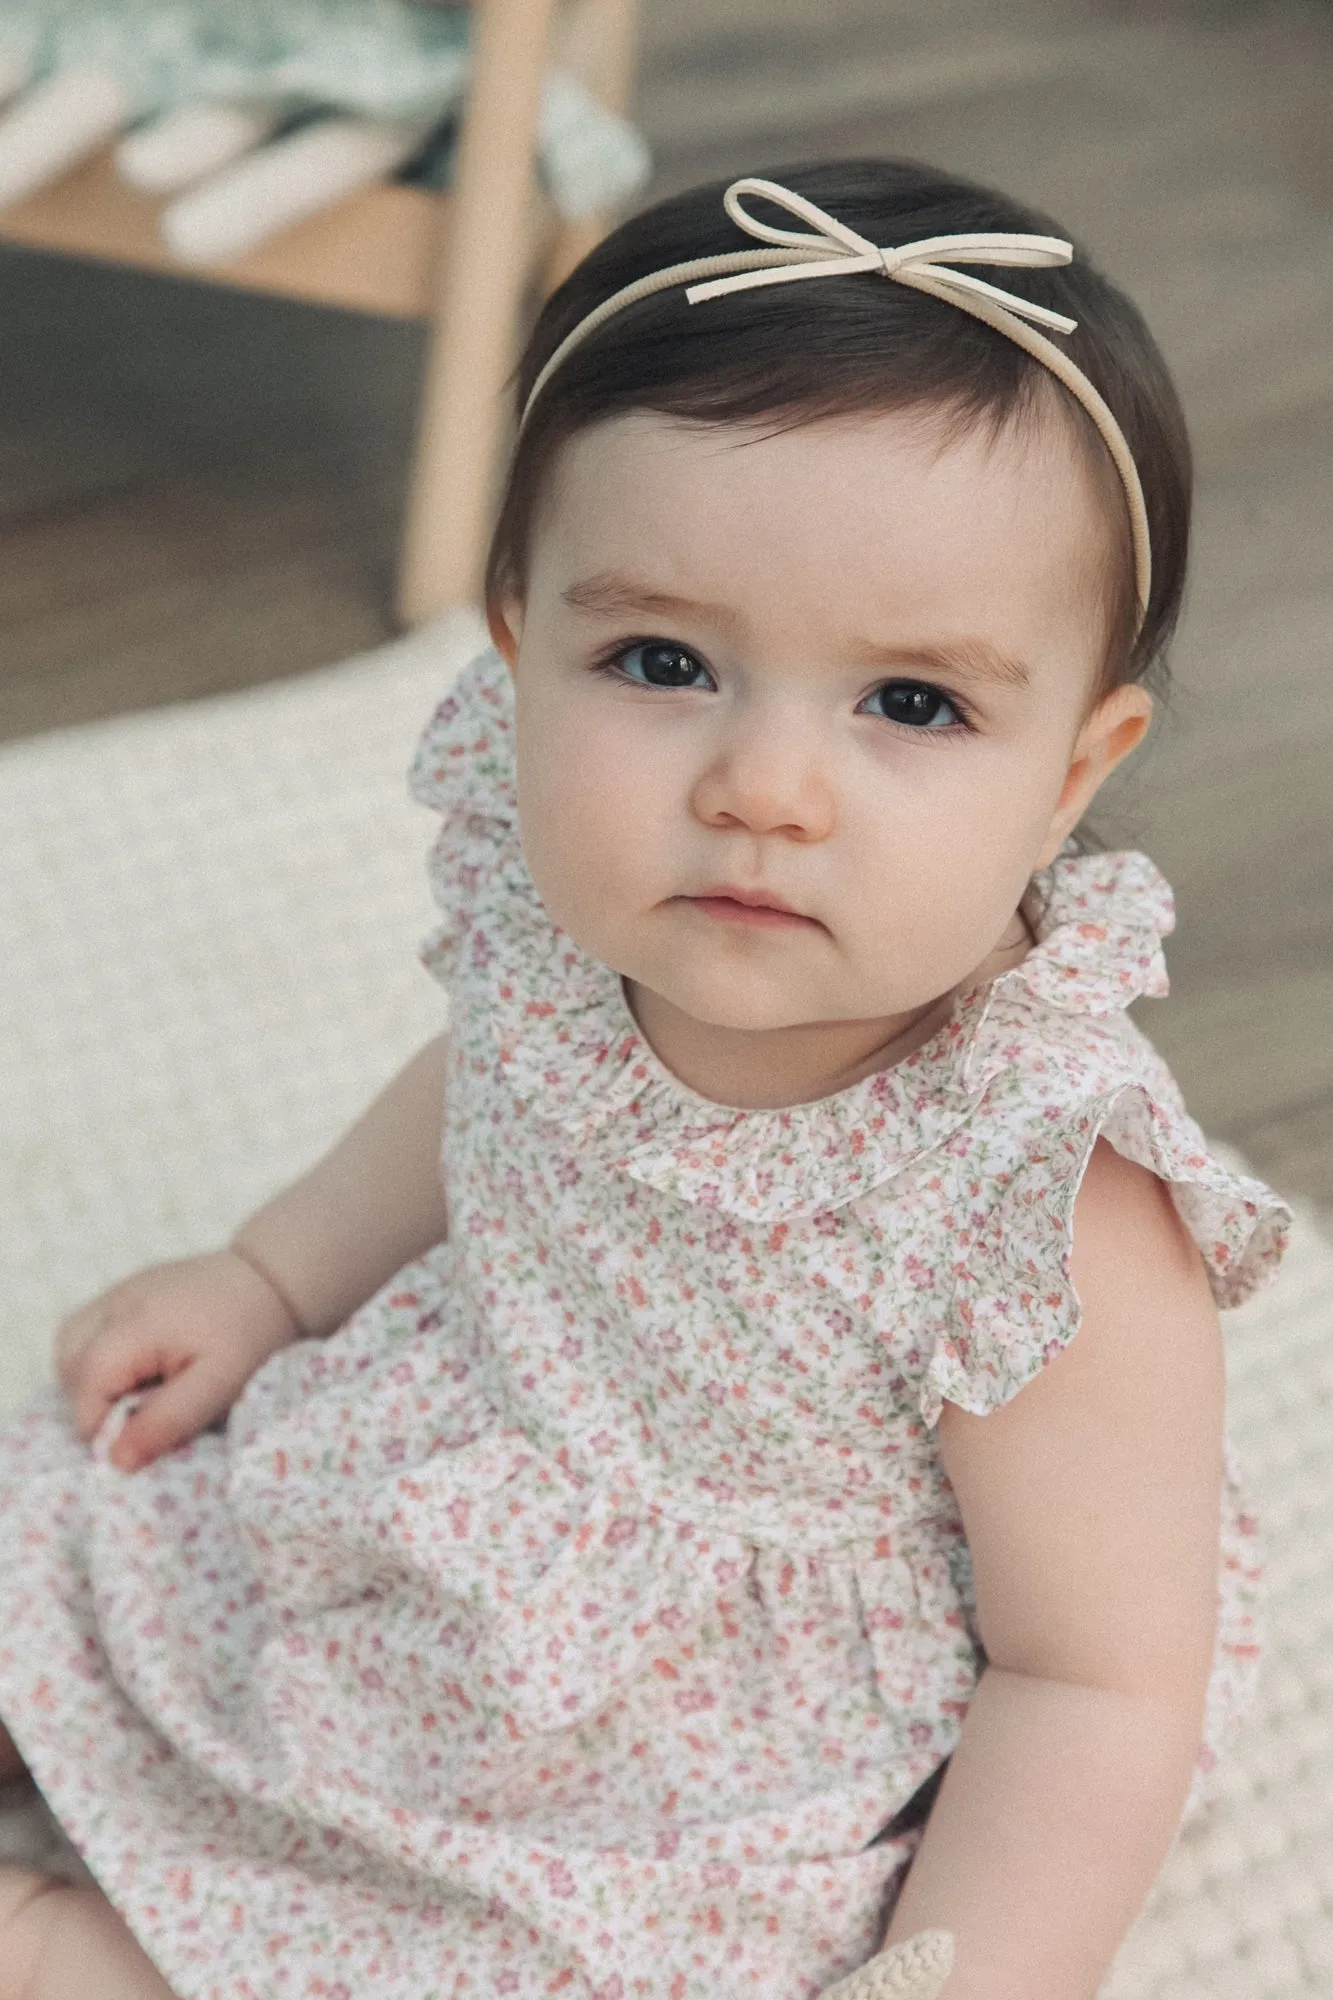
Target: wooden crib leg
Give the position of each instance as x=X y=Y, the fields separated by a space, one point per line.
x=482 y=280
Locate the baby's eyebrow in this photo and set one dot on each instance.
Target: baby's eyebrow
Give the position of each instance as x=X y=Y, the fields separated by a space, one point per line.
x=965 y=659
x=616 y=595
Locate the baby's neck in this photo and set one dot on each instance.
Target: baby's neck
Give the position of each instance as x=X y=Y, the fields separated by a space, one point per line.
x=768 y=1069
x=764 y=1069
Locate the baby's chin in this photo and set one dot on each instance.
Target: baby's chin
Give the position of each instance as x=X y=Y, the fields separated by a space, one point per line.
x=746 y=1005
x=753 y=1019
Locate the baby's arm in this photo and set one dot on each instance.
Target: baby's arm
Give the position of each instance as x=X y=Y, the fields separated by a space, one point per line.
x=371 y=1205
x=189 y=1334
x=1091 y=1504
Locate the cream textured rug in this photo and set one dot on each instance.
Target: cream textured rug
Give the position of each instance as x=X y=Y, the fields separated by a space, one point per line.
x=208 y=921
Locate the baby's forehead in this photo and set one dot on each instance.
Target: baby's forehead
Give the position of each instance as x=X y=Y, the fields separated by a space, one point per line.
x=897 y=519
x=613 y=475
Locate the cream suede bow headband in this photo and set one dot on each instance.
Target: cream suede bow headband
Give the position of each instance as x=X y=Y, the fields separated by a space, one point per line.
x=834 y=250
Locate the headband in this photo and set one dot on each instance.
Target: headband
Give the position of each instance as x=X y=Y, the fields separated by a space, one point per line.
x=834 y=250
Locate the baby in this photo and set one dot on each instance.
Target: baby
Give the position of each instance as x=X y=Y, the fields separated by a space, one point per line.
x=717 y=1486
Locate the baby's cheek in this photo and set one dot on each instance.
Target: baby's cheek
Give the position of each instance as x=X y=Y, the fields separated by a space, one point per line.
x=595 y=833
x=572 y=855
x=927 y=931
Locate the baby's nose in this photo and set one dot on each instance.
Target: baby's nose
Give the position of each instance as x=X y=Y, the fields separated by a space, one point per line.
x=767 y=775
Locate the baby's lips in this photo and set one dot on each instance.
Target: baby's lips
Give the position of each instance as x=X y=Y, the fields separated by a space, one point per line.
x=112 y=1424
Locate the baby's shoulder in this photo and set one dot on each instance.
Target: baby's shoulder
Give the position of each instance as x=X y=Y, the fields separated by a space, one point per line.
x=1080 y=1114
x=1089 y=1113
x=463 y=769
x=1055 y=1062
x=1043 y=1096
x=463 y=762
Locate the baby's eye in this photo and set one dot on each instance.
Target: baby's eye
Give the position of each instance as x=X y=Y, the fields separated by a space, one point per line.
x=915 y=703
x=658 y=663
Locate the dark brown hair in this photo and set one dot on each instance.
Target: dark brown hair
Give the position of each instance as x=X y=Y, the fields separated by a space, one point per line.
x=798 y=353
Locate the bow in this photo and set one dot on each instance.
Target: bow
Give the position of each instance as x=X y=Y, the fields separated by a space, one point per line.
x=832 y=250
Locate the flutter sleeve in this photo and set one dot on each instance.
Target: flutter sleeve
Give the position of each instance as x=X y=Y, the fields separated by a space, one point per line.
x=1014 y=1306
x=463 y=768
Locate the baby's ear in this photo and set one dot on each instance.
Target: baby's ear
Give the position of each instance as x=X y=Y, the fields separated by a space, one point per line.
x=1117 y=725
x=505 y=620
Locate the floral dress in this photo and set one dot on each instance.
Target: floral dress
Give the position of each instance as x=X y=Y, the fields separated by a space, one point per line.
x=576 y=1619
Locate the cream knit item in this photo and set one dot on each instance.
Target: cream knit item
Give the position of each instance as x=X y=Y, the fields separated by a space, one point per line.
x=914 y=1969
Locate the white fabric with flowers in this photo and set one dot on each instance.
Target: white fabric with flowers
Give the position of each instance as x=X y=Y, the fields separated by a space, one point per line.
x=576 y=1617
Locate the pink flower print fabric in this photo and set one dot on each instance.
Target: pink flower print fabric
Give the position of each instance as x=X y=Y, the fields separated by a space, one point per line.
x=578 y=1616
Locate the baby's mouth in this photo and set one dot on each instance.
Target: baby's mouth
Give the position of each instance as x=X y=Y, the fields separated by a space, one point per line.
x=757 y=907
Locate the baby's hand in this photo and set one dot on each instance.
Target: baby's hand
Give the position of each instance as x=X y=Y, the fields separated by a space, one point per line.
x=187 y=1335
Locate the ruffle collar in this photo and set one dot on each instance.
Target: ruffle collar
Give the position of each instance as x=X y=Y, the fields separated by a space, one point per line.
x=568 y=1044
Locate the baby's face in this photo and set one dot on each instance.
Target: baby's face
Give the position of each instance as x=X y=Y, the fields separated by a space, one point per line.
x=796 y=714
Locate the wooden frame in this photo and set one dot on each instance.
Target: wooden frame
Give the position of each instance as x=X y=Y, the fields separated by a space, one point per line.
x=464 y=261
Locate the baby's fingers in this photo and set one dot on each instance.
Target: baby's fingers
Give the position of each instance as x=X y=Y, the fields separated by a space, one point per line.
x=168 y=1415
x=107 y=1368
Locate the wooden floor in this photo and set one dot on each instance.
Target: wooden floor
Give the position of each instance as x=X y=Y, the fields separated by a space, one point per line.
x=200 y=490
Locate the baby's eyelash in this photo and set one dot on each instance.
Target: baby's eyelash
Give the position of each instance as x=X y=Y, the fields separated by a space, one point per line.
x=679 y=667
x=959 y=707
x=612 y=662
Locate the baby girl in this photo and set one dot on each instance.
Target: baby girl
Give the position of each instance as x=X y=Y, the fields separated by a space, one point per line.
x=717 y=1487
